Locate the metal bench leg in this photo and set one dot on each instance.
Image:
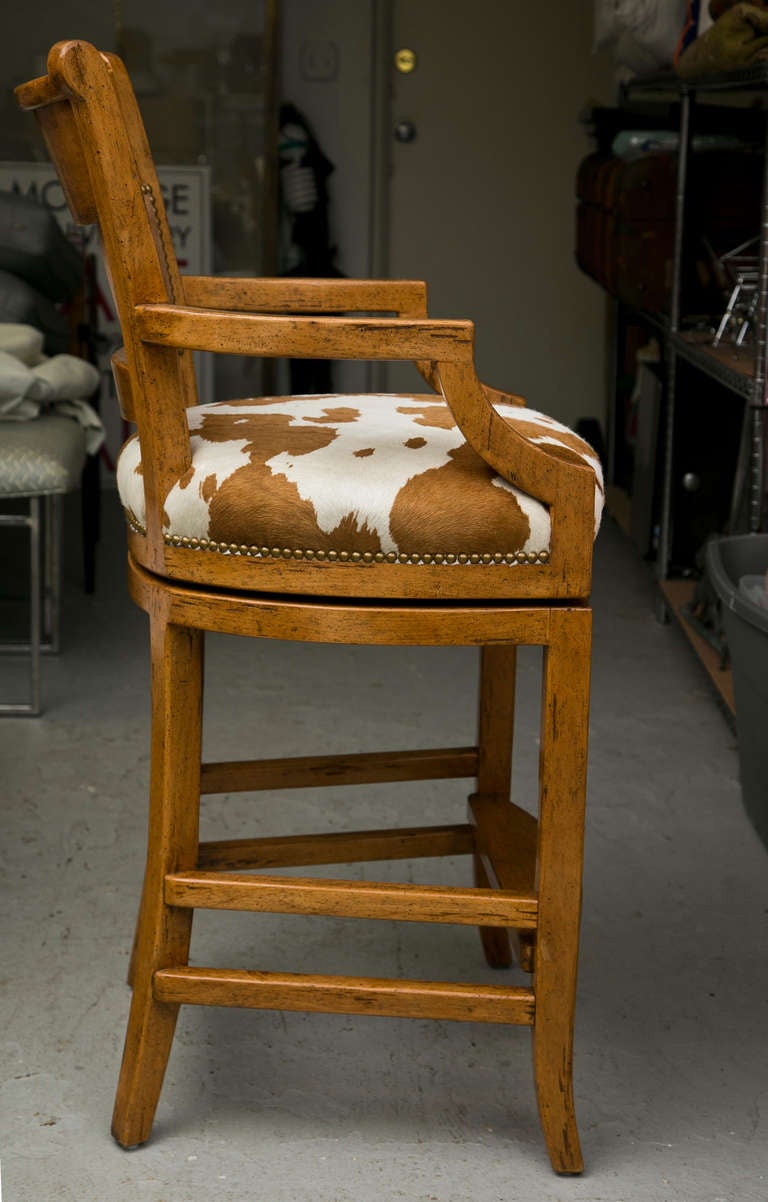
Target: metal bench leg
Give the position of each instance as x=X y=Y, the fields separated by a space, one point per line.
x=32 y=522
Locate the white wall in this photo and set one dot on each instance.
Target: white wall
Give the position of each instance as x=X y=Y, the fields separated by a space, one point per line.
x=338 y=109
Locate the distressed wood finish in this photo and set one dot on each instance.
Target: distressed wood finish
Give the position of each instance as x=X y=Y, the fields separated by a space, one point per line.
x=122 y=377
x=349 y=899
x=345 y=995
x=265 y=334
x=365 y=768
x=496 y=719
x=163 y=933
x=532 y=582
x=560 y=845
x=527 y=872
x=294 y=851
x=322 y=621
x=406 y=298
x=506 y=851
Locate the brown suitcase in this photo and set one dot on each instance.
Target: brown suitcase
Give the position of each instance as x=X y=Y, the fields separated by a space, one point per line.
x=592 y=216
x=625 y=222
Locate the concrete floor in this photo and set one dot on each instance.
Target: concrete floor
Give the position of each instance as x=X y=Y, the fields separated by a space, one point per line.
x=671 y=1050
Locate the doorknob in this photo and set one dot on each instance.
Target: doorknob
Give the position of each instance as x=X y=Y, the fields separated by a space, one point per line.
x=405 y=131
x=405 y=61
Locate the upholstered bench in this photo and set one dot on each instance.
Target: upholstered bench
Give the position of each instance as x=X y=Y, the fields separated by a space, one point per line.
x=42 y=453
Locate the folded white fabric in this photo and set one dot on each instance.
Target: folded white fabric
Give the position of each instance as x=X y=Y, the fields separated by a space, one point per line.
x=23 y=341
x=30 y=383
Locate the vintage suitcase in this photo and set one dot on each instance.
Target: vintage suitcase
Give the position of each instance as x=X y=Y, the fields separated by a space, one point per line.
x=592 y=215
x=625 y=223
x=640 y=200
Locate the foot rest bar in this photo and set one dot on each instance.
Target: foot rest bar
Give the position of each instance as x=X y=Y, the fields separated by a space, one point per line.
x=365 y=768
x=345 y=995
x=349 y=847
x=350 y=899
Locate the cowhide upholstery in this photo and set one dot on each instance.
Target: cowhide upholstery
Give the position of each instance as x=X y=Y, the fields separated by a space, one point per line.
x=351 y=479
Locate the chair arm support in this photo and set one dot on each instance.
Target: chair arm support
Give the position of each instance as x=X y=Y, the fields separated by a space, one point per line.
x=365 y=338
x=123 y=387
x=495 y=395
x=529 y=467
x=498 y=397
x=403 y=297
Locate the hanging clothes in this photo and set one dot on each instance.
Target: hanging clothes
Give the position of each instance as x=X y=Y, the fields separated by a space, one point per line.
x=307 y=247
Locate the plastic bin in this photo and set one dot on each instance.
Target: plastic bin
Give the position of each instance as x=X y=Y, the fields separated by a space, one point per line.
x=746 y=630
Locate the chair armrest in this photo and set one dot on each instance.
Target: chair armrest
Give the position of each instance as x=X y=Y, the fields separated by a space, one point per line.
x=365 y=338
x=406 y=298
x=448 y=346
x=403 y=297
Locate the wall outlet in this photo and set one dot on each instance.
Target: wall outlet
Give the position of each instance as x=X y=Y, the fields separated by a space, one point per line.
x=319 y=61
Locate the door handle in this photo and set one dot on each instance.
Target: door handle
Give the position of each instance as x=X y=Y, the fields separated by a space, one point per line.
x=405 y=131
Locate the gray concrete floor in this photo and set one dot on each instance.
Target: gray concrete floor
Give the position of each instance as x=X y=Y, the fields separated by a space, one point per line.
x=671 y=1060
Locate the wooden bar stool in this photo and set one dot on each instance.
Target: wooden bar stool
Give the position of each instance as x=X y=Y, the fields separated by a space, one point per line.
x=452 y=517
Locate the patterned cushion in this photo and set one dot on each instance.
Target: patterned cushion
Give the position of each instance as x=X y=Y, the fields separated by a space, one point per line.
x=387 y=475
x=43 y=455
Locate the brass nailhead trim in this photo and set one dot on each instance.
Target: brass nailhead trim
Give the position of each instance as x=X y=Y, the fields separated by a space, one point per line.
x=356 y=557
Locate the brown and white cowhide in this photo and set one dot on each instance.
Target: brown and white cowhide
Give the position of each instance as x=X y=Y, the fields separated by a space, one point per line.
x=372 y=473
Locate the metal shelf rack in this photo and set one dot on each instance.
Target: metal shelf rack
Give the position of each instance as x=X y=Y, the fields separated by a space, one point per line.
x=741 y=370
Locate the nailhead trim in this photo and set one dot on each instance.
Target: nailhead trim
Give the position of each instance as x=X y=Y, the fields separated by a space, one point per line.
x=510 y=558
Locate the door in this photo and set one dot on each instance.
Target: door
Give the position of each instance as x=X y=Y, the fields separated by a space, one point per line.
x=484 y=141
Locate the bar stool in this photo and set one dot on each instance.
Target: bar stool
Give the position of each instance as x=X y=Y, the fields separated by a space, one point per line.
x=450 y=517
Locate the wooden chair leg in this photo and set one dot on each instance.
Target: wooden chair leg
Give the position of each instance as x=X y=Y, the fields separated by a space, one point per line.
x=164 y=931
x=496 y=718
x=562 y=787
x=131 y=974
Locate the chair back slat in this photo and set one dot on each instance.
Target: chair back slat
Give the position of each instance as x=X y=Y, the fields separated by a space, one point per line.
x=92 y=126
x=63 y=142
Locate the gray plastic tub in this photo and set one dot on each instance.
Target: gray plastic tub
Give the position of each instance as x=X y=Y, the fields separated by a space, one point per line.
x=746 y=630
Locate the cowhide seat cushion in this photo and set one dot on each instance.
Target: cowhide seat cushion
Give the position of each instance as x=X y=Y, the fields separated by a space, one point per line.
x=349 y=478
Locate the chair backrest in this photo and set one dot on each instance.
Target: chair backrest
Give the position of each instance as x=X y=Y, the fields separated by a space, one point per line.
x=92 y=127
